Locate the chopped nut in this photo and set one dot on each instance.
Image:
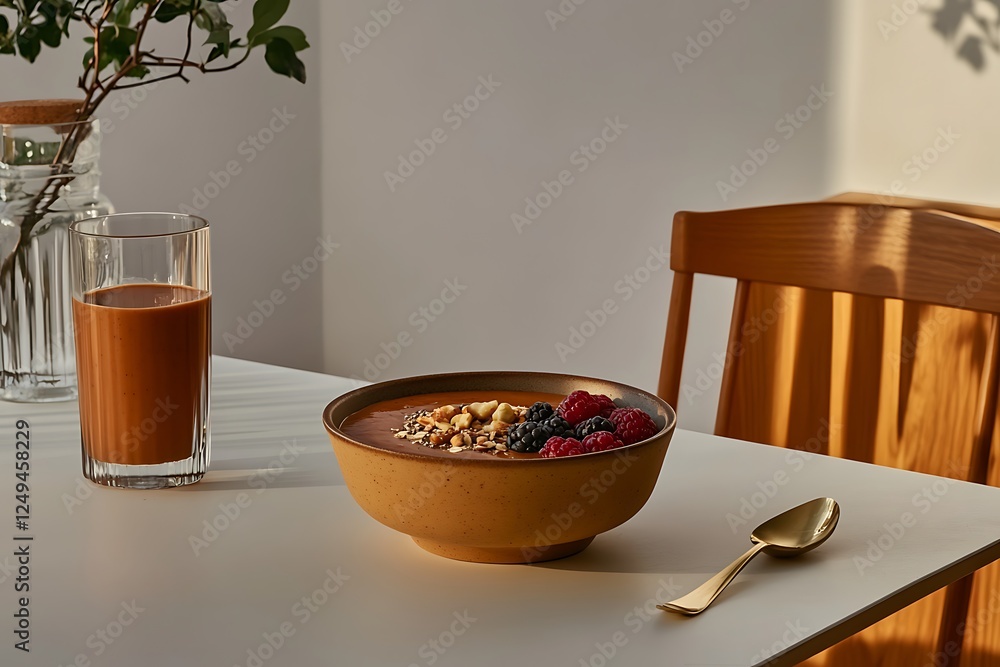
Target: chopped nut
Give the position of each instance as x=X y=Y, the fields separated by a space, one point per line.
x=437 y=438
x=457 y=440
x=400 y=434
x=501 y=448
x=466 y=439
x=504 y=413
x=444 y=413
x=483 y=411
x=481 y=439
x=455 y=450
x=480 y=448
x=461 y=421
x=498 y=427
x=444 y=426
x=425 y=420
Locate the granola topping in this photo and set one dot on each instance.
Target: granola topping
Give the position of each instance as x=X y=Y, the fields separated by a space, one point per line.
x=480 y=427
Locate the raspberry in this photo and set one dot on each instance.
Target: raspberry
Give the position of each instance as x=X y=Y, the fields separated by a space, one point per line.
x=579 y=406
x=601 y=441
x=539 y=412
x=528 y=437
x=633 y=425
x=593 y=425
x=557 y=447
x=559 y=426
x=607 y=405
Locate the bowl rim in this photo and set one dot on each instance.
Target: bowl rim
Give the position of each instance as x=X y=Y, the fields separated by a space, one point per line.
x=671 y=414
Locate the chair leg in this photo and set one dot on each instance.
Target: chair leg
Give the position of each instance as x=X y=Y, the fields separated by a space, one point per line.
x=953 y=620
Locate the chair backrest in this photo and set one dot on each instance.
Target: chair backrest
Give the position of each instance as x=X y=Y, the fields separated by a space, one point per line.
x=864 y=327
x=859 y=330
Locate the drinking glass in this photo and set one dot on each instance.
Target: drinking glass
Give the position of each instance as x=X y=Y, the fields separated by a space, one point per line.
x=142 y=320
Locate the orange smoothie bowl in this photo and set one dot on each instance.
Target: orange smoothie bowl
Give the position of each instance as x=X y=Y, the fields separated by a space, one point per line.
x=477 y=507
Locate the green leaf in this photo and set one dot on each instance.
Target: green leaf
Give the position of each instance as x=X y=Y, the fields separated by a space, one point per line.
x=220 y=50
x=137 y=72
x=50 y=34
x=6 y=37
x=293 y=36
x=29 y=43
x=265 y=14
x=171 y=9
x=122 y=13
x=211 y=17
x=281 y=58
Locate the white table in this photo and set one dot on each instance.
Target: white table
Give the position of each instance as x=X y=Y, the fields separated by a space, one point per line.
x=115 y=578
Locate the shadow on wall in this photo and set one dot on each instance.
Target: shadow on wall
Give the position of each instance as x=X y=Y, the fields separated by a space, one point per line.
x=972 y=26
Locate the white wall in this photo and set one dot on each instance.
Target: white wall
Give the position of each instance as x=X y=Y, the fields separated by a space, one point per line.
x=522 y=293
x=913 y=90
x=161 y=146
x=452 y=218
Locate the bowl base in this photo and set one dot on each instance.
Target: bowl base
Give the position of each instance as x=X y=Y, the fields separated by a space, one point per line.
x=503 y=554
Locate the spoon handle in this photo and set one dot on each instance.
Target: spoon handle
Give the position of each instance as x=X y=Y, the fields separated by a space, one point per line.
x=698 y=600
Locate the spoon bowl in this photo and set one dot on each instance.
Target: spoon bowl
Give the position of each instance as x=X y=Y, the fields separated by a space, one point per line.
x=798 y=530
x=791 y=533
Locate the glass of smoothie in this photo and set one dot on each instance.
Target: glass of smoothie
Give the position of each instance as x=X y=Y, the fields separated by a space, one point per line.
x=142 y=318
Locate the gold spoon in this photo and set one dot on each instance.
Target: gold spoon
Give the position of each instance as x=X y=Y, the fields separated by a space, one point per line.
x=789 y=534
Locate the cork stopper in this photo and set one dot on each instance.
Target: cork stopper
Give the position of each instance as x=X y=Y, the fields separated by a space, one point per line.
x=39 y=112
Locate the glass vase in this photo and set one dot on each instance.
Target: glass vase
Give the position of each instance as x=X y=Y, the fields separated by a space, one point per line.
x=49 y=177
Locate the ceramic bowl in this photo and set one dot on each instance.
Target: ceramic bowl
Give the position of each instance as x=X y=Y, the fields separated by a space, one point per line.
x=481 y=508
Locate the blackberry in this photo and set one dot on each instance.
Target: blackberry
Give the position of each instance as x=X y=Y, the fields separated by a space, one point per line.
x=593 y=425
x=539 y=412
x=528 y=437
x=559 y=426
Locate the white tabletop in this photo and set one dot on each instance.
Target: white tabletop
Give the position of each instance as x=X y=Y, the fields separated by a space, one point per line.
x=118 y=577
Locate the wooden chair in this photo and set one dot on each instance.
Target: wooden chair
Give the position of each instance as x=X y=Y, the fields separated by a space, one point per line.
x=866 y=331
